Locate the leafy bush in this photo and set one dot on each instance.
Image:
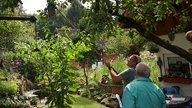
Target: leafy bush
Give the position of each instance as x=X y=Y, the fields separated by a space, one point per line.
x=8 y=88
x=13 y=103
x=28 y=70
x=96 y=75
x=4 y=73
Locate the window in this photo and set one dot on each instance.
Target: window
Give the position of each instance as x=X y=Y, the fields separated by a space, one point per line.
x=177 y=67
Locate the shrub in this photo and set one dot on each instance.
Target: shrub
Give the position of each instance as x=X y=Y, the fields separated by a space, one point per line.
x=13 y=103
x=8 y=88
x=4 y=74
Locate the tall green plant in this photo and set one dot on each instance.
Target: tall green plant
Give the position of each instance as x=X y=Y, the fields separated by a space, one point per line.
x=51 y=59
x=152 y=62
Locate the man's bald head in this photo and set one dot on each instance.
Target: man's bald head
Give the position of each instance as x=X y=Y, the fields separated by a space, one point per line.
x=142 y=70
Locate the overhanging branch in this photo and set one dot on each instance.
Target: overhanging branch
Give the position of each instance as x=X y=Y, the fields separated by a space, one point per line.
x=154 y=38
x=31 y=19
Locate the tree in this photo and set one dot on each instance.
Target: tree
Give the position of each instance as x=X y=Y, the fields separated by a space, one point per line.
x=74 y=13
x=5 y=4
x=144 y=15
x=14 y=31
x=52 y=64
x=124 y=44
x=69 y=17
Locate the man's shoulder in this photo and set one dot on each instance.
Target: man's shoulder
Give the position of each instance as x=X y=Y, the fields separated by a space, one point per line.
x=128 y=70
x=132 y=83
x=132 y=87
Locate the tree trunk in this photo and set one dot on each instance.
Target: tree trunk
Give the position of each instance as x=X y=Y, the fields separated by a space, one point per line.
x=85 y=75
x=154 y=38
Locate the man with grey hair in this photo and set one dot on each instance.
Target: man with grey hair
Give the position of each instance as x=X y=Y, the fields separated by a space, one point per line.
x=142 y=92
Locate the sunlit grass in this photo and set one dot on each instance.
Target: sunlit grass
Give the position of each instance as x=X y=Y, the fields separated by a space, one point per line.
x=82 y=102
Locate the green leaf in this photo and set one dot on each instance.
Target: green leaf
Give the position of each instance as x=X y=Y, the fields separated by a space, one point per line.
x=56 y=70
x=172 y=9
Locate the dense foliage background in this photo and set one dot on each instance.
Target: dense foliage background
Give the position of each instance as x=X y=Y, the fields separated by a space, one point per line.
x=44 y=49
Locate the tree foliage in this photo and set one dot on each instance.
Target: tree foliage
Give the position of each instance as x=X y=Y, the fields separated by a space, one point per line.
x=14 y=31
x=52 y=61
x=124 y=42
x=143 y=15
x=6 y=4
x=51 y=58
x=68 y=16
x=74 y=13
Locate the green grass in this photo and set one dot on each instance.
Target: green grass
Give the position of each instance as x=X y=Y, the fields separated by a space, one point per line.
x=82 y=102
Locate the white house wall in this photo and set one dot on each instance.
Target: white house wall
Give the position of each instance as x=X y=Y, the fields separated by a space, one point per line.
x=181 y=41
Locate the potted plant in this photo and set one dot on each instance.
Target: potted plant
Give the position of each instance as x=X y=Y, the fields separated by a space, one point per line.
x=183 y=78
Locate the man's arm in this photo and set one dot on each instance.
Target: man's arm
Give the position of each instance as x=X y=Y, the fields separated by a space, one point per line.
x=116 y=77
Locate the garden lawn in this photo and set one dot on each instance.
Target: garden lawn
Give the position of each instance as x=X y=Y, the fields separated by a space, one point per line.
x=82 y=102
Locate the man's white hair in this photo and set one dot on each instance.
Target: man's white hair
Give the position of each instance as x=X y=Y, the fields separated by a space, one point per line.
x=142 y=70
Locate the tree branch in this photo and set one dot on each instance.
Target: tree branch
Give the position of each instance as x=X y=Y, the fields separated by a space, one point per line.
x=154 y=38
x=32 y=18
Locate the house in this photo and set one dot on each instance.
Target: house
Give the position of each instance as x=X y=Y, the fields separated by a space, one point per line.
x=174 y=70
